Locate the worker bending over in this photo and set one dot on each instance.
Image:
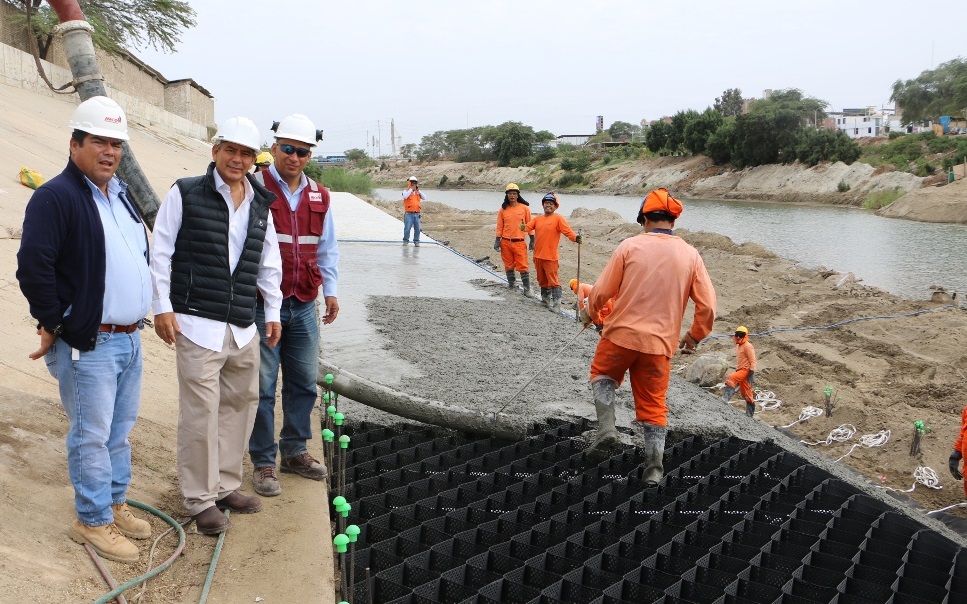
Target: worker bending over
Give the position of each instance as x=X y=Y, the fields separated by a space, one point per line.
x=548 y=229
x=510 y=241
x=744 y=375
x=583 y=290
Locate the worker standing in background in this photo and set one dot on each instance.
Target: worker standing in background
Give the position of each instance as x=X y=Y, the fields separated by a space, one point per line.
x=651 y=277
x=582 y=290
x=310 y=253
x=412 y=197
x=83 y=267
x=510 y=241
x=744 y=374
x=958 y=453
x=548 y=229
x=263 y=161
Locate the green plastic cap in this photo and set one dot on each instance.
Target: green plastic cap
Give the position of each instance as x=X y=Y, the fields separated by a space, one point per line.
x=328 y=435
x=346 y=508
x=352 y=531
x=344 y=441
x=338 y=501
x=325 y=397
x=331 y=410
x=338 y=418
x=340 y=541
x=328 y=378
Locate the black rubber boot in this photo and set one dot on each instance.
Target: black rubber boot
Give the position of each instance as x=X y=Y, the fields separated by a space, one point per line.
x=606 y=435
x=555 y=304
x=750 y=409
x=727 y=395
x=653 y=451
x=525 y=280
x=546 y=296
x=511 y=279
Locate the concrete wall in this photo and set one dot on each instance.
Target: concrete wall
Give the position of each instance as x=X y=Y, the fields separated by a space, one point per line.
x=146 y=96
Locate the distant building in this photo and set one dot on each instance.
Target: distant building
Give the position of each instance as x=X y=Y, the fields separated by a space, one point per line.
x=860 y=123
x=577 y=140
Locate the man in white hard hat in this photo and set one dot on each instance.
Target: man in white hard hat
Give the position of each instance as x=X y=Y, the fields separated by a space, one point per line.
x=412 y=197
x=83 y=267
x=215 y=253
x=307 y=239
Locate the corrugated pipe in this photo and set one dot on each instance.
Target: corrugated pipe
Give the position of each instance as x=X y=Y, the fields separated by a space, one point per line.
x=79 y=48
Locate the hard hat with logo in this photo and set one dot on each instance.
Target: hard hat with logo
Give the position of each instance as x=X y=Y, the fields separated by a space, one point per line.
x=741 y=331
x=512 y=187
x=299 y=128
x=573 y=284
x=101 y=116
x=659 y=201
x=264 y=159
x=239 y=130
x=551 y=197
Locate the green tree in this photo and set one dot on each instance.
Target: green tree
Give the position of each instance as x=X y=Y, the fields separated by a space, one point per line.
x=730 y=103
x=408 y=150
x=770 y=132
x=117 y=23
x=355 y=154
x=619 y=129
x=720 y=143
x=543 y=136
x=935 y=92
x=511 y=140
x=657 y=137
x=680 y=121
x=698 y=130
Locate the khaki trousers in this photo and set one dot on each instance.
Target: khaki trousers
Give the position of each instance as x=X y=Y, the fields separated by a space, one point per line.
x=218 y=397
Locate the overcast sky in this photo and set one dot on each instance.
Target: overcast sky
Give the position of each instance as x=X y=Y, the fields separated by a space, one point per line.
x=555 y=65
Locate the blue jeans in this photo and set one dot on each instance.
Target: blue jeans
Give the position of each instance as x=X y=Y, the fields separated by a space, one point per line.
x=298 y=355
x=411 y=220
x=101 y=393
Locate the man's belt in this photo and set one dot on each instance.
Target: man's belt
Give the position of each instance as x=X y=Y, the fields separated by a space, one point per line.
x=112 y=328
x=509 y=239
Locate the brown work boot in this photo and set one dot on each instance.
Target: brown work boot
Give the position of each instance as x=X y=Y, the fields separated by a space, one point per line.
x=240 y=504
x=211 y=521
x=106 y=540
x=305 y=465
x=130 y=525
x=266 y=482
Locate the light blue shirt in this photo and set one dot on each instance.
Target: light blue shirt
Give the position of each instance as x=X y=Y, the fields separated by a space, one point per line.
x=327 y=252
x=127 y=282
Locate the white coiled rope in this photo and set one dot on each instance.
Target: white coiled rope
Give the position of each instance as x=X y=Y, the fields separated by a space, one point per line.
x=870 y=440
x=922 y=475
x=839 y=435
x=806 y=414
x=949 y=507
x=767 y=400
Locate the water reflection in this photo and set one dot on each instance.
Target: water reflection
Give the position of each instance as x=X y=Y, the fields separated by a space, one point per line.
x=900 y=256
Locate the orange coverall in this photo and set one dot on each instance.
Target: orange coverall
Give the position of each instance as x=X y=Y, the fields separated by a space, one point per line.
x=584 y=290
x=548 y=231
x=651 y=278
x=513 y=249
x=745 y=362
x=961 y=443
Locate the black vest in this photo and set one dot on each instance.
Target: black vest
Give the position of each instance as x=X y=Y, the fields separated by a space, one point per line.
x=201 y=283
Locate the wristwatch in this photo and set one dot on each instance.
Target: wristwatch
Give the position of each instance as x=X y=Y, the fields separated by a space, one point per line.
x=56 y=331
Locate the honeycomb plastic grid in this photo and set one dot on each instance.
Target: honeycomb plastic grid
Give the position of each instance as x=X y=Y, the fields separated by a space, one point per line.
x=732 y=521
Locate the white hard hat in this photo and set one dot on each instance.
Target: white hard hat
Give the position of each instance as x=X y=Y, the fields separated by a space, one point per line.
x=101 y=116
x=239 y=130
x=412 y=178
x=299 y=128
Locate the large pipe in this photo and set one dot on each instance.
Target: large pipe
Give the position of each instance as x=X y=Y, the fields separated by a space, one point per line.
x=361 y=390
x=88 y=81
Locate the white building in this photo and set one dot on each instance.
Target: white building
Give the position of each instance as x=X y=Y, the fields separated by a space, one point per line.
x=861 y=123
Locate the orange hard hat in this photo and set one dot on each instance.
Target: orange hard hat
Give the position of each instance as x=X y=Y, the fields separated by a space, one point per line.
x=659 y=201
x=573 y=284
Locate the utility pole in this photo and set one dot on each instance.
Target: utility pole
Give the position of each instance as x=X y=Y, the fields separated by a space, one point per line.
x=379 y=135
x=392 y=135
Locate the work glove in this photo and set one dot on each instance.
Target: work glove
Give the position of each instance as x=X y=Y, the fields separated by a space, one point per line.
x=751 y=378
x=954 y=464
x=522 y=226
x=584 y=317
x=579 y=240
x=497 y=244
x=531 y=246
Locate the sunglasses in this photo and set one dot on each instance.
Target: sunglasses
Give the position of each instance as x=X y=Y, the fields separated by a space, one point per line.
x=290 y=149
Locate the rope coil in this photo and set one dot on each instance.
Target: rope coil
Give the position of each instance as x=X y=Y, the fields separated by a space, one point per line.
x=839 y=435
x=806 y=414
x=922 y=475
x=870 y=440
x=767 y=400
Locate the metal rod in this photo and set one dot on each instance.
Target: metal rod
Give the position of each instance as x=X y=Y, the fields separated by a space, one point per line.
x=577 y=314
x=541 y=370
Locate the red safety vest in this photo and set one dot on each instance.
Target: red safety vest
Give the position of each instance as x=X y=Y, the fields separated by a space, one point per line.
x=299 y=234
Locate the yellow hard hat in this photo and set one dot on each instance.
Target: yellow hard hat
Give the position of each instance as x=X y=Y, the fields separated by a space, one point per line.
x=512 y=187
x=573 y=284
x=741 y=330
x=264 y=159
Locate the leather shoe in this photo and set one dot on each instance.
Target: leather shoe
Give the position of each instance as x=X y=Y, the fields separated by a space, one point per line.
x=240 y=504
x=211 y=522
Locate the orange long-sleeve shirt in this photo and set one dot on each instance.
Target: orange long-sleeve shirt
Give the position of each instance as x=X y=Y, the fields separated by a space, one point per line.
x=509 y=219
x=548 y=231
x=745 y=356
x=962 y=435
x=584 y=290
x=651 y=278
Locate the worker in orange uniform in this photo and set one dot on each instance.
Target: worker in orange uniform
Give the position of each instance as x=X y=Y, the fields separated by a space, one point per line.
x=582 y=290
x=510 y=241
x=744 y=374
x=651 y=277
x=412 y=197
x=548 y=229
x=959 y=446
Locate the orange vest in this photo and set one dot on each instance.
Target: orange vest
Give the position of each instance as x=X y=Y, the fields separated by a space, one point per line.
x=299 y=234
x=412 y=203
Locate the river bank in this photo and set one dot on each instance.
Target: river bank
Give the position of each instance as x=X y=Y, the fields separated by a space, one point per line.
x=904 y=364
x=698 y=177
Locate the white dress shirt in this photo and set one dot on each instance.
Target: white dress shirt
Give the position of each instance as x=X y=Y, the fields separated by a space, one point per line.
x=209 y=333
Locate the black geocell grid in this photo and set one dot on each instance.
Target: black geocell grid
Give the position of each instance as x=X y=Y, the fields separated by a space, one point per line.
x=447 y=519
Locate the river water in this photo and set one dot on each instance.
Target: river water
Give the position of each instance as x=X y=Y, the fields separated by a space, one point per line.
x=903 y=257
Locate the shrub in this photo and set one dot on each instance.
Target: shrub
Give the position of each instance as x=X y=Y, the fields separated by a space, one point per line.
x=340 y=179
x=569 y=179
x=579 y=161
x=843 y=186
x=443 y=180
x=882 y=198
